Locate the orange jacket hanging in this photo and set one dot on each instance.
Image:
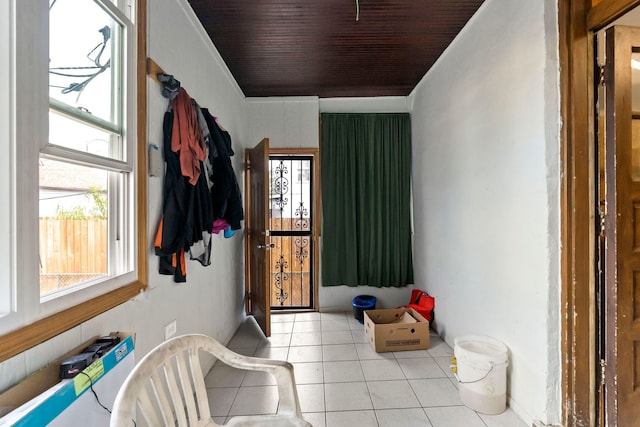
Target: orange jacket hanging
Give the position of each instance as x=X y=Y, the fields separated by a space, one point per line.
x=186 y=137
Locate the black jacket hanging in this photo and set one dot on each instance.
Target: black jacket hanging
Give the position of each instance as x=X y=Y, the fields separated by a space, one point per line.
x=186 y=212
x=225 y=194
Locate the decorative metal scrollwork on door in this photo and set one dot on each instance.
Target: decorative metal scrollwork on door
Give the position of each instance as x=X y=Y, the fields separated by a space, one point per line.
x=281 y=185
x=280 y=277
x=302 y=249
x=302 y=222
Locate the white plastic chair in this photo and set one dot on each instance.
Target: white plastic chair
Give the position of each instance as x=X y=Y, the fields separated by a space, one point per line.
x=167 y=387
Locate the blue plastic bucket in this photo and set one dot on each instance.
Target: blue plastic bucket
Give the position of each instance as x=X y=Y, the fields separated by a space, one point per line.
x=361 y=303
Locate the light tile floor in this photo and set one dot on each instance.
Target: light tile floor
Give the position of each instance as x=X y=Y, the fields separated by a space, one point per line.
x=341 y=381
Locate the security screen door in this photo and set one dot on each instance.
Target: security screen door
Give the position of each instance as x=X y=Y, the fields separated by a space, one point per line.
x=291 y=224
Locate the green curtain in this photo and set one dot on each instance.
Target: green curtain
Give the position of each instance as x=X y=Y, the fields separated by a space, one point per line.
x=366 y=191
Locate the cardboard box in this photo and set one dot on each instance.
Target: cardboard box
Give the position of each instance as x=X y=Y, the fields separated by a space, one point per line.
x=42 y=397
x=396 y=329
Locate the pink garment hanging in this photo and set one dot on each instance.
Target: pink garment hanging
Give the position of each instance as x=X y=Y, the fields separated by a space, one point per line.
x=220 y=225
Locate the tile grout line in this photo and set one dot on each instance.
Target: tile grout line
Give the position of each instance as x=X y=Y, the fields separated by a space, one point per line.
x=437 y=359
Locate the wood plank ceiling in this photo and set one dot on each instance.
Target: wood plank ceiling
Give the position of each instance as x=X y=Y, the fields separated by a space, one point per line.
x=316 y=47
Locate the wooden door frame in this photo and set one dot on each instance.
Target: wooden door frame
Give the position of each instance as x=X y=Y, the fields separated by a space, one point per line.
x=621 y=257
x=317 y=209
x=578 y=20
x=247 y=227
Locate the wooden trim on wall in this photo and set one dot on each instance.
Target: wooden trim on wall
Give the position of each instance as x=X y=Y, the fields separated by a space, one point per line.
x=305 y=151
x=317 y=230
x=15 y=342
x=153 y=69
x=606 y=11
x=577 y=274
x=143 y=256
x=29 y=336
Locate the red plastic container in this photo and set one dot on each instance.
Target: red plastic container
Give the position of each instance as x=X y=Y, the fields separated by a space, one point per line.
x=423 y=303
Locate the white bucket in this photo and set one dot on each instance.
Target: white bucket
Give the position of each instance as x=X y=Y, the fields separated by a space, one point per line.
x=482 y=373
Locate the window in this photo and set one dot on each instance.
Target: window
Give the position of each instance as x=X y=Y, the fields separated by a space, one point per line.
x=86 y=164
x=68 y=163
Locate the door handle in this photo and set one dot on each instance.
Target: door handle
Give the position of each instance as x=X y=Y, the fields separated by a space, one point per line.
x=267 y=247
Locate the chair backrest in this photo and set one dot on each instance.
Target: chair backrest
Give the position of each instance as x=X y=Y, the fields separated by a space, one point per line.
x=167 y=386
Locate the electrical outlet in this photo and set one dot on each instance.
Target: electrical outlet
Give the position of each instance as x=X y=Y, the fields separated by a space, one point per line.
x=170 y=329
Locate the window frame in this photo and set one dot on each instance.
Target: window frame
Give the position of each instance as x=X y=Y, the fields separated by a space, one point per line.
x=121 y=206
x=7 y=75
x=28 y=325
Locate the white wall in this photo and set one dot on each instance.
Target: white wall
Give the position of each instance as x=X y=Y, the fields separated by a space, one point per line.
x=289 y=122
x=378 y=104
x=486 y=181
x=293 y=122
x=210 y=302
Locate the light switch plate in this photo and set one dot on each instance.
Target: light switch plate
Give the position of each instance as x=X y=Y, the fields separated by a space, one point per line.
x=170 y=329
